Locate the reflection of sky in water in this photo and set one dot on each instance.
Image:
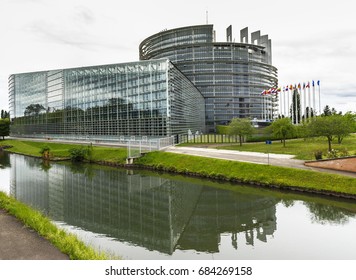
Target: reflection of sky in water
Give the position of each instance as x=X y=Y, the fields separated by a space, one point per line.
x=142 y=216
x=5 y=180
x=297 y=238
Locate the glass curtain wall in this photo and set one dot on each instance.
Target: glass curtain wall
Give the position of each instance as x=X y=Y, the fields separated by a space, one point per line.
x=150 y=98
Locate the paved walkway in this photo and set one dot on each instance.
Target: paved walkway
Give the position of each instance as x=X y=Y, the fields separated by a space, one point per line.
x=18 y=242
x=253 y=157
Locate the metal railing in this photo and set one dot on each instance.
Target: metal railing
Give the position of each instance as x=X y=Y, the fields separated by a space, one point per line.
x=136 y=148
x=207 y=138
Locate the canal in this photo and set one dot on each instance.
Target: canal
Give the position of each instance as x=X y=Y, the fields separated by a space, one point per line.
x=145 y=215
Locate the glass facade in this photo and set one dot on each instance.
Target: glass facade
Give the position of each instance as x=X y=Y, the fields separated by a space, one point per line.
x=148 y=98
x=231 y=76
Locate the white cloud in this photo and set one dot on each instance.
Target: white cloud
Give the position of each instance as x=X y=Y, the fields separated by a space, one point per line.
x=310 y=40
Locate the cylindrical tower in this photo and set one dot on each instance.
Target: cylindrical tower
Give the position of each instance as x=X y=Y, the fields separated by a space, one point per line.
x=230 y=75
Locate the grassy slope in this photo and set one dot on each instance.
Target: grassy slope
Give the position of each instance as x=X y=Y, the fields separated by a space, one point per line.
x=65 y=242
x=223 y=169
x=247 y=172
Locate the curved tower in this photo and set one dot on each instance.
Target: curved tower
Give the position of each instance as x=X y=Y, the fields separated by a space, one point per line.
x=230 y=75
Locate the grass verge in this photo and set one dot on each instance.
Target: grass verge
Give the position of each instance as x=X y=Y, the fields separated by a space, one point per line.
x=279 y=177
x=61 y=151
x=66 y=243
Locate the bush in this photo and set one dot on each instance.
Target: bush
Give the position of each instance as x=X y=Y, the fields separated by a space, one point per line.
x=344 y=153
x=332 y=154
x=337 y=154
x=78 y=154
x=45 y=152
x=318 y=155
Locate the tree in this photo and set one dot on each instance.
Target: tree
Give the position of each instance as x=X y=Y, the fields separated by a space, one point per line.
x=4 y=128
x=330 y=126
x=309 y=113
x=343 y=126
x=34 y=110
x=5 y=114
x=351 y=118
x=329 y=112
x=327 y=214
x=326 y=111
x=240 y=127
x=295 y=107
x=282 y=128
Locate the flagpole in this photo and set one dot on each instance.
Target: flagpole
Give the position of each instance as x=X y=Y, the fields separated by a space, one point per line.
x=270 y=102
x=305 y=104
x=298 y=103
x=295 y=104
x=309 y=99
x=291 y=105
x=268 y=105
x=280 y=106
x=263 y=107
x=283 y=104
x=319 y=97
x=288 y=107
x=314 y=109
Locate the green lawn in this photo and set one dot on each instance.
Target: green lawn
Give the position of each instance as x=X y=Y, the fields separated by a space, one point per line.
x=302 y=149
x=58 y=150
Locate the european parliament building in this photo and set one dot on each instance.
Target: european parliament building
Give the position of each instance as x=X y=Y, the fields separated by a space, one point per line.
x=184 y=81
x=148 y=98
x=230 y=75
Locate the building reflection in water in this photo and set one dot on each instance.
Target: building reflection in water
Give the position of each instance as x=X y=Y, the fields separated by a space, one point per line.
x=157 y=213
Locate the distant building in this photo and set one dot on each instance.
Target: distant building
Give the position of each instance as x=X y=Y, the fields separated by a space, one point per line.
x=230 y=75
x=148 y=98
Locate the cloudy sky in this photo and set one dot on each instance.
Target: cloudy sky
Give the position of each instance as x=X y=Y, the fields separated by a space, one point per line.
x=311 y=40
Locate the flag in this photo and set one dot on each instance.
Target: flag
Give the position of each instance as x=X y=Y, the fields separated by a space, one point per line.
x=290 y=87
x=264 y=92
x=303 y=85
x=313 y=83
x=286 y=88
x=308 y=85
x=318 y=83
x=274 y=91
x=299 y=86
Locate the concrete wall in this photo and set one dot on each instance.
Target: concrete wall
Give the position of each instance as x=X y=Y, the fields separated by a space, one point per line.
x=344 y=164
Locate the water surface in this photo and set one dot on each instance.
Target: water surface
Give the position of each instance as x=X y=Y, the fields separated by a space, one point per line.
x=146 y=215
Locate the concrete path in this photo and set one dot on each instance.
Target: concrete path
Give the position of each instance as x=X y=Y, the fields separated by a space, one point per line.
x=253 y=157
x=18 y=242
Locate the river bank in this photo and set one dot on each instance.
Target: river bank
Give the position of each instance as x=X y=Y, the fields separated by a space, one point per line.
x=260 y=176
x=67 y=244
x=266 y=176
